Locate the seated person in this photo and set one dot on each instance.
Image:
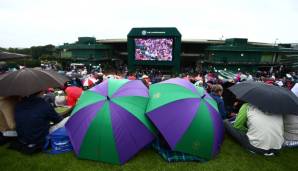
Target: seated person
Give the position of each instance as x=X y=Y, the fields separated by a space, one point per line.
x=146 y=80
x=50 y=97
x=291 y=130
x=60 y=99
x=257 y=131
x=216 y=94
x=33 y=116
x=291 y=126
x=73 y=93
x=7 y=121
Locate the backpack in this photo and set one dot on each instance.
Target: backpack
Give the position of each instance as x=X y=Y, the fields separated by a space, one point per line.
x=58 y=141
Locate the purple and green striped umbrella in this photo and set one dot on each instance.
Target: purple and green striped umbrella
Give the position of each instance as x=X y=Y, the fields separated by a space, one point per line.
x=187 y=117
x=109 y=123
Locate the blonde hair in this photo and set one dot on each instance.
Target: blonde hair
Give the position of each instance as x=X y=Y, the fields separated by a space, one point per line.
x=216 y=88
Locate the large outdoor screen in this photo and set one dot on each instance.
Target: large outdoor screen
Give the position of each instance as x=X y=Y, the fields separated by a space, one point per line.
x=153 y=49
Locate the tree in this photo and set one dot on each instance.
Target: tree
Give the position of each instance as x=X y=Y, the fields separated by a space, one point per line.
x=36 y=52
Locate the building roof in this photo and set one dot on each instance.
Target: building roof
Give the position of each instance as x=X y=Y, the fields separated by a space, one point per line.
x=112 y=40
x=154 y=32
x=252 y=48
x=8 y=56
x=202 y=41
x=242 y=44
x=184 y=40
x=83 y=46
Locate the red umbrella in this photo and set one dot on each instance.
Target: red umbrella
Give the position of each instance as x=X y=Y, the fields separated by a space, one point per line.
x=89 y=82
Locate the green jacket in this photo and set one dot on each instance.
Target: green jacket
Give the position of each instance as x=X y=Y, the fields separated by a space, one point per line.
x=241 y=118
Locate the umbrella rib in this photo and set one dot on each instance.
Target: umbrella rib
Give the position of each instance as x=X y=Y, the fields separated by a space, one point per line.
x=173 y=119
x=37 y=78
x=273 y=93
x=247 y=92
x=181 y=87
x=49 y=75
x=27 y=81
x=186 y=98
x=116 y=93
x=13 y=78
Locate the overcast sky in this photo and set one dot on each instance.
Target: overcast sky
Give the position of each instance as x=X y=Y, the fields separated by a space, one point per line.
x=25 y=23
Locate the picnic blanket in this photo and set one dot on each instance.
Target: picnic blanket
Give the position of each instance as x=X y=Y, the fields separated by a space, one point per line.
x=173 y=156
x=292 y=144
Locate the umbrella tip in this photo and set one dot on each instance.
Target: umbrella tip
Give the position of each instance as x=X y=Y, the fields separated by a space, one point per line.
x=108 y=98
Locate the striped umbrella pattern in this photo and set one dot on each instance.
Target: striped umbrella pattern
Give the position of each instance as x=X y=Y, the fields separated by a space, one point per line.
x=109 y=123
x=187 y=117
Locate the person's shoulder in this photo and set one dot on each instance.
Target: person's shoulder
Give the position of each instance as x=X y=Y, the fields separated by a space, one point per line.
x=220 y=100
x=41 y=101
x=245 y=105
x=214 y=96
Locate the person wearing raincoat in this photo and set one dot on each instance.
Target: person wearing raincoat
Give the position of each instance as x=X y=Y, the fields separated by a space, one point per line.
x=73 y=93
x=257 y=131
x=33 y=116
x=7 y=121
x=216 y=94
x=291 y=130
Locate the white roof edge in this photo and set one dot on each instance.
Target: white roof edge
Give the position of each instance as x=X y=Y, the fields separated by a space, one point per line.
x=123 y=40
x=111 y=40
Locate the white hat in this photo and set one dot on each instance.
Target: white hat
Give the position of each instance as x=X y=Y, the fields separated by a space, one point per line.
x=199 y=83
x=243 y=77
x=145 y=76
x=288 y=75
x=279 y=83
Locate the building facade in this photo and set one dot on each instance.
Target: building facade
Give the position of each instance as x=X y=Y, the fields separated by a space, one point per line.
x=86 y=49
x=232 y=54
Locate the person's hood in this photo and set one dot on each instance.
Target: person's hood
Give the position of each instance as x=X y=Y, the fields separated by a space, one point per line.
x=60 y=92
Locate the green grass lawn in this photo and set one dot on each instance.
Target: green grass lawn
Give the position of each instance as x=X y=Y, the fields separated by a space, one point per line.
x=231 y=157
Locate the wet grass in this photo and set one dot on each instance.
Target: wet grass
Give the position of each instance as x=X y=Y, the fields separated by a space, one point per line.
x=231 y=157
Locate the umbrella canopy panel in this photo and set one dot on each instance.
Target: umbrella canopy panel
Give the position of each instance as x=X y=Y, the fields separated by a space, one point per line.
x=108 y=123
x=187 y=117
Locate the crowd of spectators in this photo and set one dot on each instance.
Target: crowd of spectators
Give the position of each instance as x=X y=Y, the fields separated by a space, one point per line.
x=67 y=96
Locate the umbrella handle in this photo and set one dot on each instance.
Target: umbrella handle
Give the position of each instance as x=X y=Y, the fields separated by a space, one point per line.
x=202 y=97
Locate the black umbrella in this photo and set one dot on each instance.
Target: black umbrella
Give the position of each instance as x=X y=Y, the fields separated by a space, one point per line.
x=27 y=81
x=268 y=98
